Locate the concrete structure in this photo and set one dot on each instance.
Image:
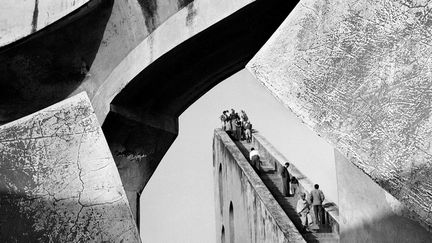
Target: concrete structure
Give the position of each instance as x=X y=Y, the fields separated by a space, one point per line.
x=19 y=18
x=357 y=73
x=245 y=209
x=139 y=116
x=370 y=214
x=58 y=180
x=277 y=160
x=268 y=185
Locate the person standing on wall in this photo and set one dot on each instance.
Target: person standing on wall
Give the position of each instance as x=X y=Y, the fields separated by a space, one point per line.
x=255 y=159
x=238 y=129
x=294 y=185
x=316 y=198
x=223 y=119
x=233 y=119
x=248 y=131
x=303 y=211
x=283 y=171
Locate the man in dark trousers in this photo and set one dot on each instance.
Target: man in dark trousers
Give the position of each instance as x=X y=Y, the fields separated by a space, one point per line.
x=316 y=199
x=283 y=171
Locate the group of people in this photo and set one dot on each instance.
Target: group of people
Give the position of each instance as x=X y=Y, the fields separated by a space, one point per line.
x=238 y=126
x=315 y=200
x=290 y=188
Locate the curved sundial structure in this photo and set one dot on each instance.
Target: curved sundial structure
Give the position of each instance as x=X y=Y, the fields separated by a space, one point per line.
x=91 y=92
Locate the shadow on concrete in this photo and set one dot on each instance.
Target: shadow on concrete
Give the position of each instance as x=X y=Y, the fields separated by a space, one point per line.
x=386 y=229
x=45 y=67
x=26 y=218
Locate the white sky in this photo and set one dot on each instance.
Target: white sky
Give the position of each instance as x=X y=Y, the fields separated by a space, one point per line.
x=177 y=204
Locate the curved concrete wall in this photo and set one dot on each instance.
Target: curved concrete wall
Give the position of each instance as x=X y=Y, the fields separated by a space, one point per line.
x=139 y=31
x=358 y=73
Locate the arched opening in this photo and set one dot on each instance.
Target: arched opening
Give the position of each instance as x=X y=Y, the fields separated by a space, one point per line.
x=223 y=234
x=220 y=181
x=231 y=223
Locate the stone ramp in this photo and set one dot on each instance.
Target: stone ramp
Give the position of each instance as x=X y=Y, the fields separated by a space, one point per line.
x=269 y=176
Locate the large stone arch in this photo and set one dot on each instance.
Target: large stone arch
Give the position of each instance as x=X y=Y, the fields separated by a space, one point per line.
x=166 y=56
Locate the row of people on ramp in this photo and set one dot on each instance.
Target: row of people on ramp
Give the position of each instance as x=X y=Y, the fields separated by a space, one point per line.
x=290 y=188
x=238 y=126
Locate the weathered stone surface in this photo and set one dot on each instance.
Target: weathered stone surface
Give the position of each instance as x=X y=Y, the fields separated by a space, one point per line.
x=245 y=209
x=58 y=180
x=358 y=73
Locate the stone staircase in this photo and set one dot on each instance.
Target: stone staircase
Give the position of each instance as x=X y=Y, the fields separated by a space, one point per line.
x=270 y=177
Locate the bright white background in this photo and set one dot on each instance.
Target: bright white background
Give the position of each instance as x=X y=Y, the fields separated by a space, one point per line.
x=177 y=204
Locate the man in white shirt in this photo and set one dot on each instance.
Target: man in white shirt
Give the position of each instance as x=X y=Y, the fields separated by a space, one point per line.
x=255 y=159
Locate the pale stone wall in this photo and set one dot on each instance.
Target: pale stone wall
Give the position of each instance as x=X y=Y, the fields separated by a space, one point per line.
x=257 y=215
x=58 y=180
x=358 y=73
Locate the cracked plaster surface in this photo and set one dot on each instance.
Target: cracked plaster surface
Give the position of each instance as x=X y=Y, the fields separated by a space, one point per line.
x=359 y=74
x=58 y=181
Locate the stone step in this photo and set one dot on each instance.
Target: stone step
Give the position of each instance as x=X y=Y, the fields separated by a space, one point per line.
x=321 y=237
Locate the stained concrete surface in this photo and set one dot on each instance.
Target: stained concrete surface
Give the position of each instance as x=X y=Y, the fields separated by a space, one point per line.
x=357 y=73
x=20 y=18
x=58 y=180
